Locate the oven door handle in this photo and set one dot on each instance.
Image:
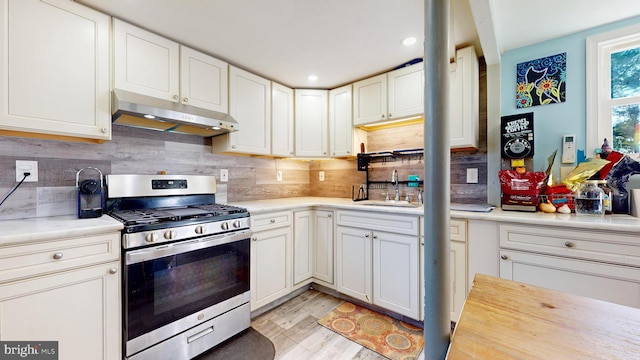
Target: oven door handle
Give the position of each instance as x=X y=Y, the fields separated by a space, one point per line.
x=156 y=252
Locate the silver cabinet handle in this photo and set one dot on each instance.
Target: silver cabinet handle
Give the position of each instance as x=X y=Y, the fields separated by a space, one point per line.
x=103 y=130
x=254 y=238
x=389 y=116
x=329 y=215
x=375 y=236
x=175 y=97
x=366 y=235
x=272 y=221
x=113 y=271
x=569 y=244
x=504 y=257
x=58 y=255
x=185 y=100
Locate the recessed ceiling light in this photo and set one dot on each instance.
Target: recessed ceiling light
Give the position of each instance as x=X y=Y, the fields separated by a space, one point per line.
x=312 y=77
x=149 y=116
x=408 y=41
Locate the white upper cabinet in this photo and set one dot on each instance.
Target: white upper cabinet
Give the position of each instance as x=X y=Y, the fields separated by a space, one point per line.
x=203 y=80
x=311 y=123
x=145 y=63
x=406 y=92
x=370 y=100
x=175 y=73
x=250 y=105
x=282 y=120
x=464 y=112
x=54 y=81
x=394 y=95
x=341 y=122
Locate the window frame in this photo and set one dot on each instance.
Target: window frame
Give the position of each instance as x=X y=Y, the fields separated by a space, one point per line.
x=598 y=76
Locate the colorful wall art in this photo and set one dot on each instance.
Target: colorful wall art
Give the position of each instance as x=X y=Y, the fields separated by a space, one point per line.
x=541 y=81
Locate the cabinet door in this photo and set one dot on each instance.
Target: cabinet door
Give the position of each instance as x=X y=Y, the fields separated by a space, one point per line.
x=464 y=109
x=406 y=92
x=303 y=234
x=370 y=100
x=395 y=273
x=145 y=63
x=323 y=246
x=353 y=262
x=80 y=309
x=250 y=105
x=204 y=80
x=55 y=70
x=458 y=276
x=270 y=266
x=341 y=122
x=282 y=120
x=613 y=283
x=312 y=123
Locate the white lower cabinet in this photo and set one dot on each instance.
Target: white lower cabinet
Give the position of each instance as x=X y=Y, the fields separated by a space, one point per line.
x=303 y=234
x=457 y=267
x=271 y=258
x=603 y=265
x=379 y=267
x=64 y=290
x=80 y=309
x=395 y=272
x=353 y=262
x=323 y=248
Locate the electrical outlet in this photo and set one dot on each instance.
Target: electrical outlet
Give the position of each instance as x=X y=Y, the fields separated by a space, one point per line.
x=23 y=166
x=564 y=172
x=472 y=175
x=321 y=175
x=279 y=175
x=224 y=175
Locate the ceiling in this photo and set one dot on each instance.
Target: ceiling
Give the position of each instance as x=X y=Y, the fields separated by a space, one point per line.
x=344 y=41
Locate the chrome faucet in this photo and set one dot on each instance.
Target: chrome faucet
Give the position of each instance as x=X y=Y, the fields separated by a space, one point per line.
x=394 y=178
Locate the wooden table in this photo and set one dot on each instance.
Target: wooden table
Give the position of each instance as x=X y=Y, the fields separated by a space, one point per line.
x=503 y=319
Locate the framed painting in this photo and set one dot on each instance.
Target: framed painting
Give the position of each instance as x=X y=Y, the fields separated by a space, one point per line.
x=541 y=81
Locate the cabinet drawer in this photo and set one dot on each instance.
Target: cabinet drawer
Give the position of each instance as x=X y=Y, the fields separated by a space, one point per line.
x=400 y=224
x=457 y=229
x=270 y=221
x=32 y=259
x=603 y=246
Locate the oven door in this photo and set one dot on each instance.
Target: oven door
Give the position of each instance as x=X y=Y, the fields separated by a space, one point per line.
x=166 y=283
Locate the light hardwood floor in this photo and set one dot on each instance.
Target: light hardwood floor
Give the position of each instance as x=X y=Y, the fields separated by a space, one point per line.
x=293 y=328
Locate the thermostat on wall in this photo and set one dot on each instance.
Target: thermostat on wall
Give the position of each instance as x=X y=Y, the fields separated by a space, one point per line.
x=568 y=149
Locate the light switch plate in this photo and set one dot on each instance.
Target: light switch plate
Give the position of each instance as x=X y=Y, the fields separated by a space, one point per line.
x=224 y=175
x=321 y=176
x=472 y=175
x=279 y=175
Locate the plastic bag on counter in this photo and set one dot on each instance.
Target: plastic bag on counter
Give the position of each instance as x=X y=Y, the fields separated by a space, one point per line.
x=583 y=172
x=520 y=191
x=617 y=179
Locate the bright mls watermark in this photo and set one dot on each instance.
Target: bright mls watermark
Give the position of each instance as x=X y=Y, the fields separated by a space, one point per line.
x=31 y=350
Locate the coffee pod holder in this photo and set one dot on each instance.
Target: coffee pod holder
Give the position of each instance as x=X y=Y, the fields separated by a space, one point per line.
x=90 y=195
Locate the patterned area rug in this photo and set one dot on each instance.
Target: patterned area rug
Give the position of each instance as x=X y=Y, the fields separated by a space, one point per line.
x=385 y=335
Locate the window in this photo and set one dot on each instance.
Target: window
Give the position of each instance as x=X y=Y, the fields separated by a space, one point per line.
x=613 y=90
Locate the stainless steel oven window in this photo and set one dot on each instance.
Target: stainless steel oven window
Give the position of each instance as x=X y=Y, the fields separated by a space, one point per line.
x=169 y=282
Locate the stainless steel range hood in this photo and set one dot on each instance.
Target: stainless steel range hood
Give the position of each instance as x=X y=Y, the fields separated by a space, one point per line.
x=131 y=109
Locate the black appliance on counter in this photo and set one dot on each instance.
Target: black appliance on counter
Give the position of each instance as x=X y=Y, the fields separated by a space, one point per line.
x=185 y=264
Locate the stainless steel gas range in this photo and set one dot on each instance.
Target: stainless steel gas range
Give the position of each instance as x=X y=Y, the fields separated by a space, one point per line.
x=185 y=264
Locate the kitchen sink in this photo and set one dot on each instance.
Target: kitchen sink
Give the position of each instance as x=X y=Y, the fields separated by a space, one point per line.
x=398 y=203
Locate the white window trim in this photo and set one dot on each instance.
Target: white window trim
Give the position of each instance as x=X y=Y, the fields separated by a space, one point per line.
x=598 y=76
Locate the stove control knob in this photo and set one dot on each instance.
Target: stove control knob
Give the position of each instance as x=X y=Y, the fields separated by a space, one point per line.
x=151 y=237
x=200 y=229
x=237 y=224
x=225 y=226
x=170 y=234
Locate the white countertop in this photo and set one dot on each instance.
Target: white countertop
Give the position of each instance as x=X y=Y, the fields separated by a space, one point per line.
x=54 y=227
x=36 y=229
x=625 y=223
